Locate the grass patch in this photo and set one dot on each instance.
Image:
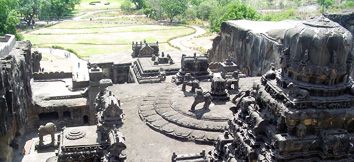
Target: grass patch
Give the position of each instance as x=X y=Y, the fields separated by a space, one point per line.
x=108 y=40
x=117 y=38
x=278 y=16
x=109 y=29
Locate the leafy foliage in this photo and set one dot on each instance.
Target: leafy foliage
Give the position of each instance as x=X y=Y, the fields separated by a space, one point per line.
x=139 y=4
x=8 y=17
x=126 y=6
x=278 y=16
x=325 y=4
x=29 y=9
x=56 y=9
x=153 y=9
x=348 y=4
x=172 y=8
x=205 y=9
x=233 y=11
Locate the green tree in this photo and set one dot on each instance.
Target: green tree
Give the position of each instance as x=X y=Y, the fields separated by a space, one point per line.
x=205 y=9
x=349 y=4
x=196 y=2
x=50 y=9
x=153 y=9
x=172 y=8
x=8 y=17
x=224 y=2
x=233 y=11
x=28 y=10
x=45 y=11
x=139 y=4
x=126 y=6
x=325 y=4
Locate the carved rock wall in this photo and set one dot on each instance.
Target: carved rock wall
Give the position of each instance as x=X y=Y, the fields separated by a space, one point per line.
x=253 y=45
x=345 y=19
x=15 y=95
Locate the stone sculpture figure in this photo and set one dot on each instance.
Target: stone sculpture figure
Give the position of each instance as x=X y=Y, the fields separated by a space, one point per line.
x=36 y=58
x=332 y=77
x=218 y=89
x=43 y=130
x=270 y=75
x=233 y=81
x=191 y=81
x=162 y=74
x=201 y=97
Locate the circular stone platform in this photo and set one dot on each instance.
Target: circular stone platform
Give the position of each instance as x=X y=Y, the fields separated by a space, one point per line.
x=167 y=112
x=75 y=134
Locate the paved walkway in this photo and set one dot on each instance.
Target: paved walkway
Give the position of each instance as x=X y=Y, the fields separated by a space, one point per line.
x=182 y=42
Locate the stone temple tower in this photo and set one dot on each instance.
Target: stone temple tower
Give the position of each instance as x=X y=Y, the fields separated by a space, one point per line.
x=303 y=111
x=96 y=85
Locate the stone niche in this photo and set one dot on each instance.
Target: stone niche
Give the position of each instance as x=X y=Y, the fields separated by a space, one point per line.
x=252 y=45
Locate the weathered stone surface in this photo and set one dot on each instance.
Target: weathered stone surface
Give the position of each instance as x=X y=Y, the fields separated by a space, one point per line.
x=159 y=123
x=303 y=113
x=146 y=107
x=161 y=117
x=152 y=118
x=251 y=45
x=15 y=89
x=344 y=19
x=147 y=113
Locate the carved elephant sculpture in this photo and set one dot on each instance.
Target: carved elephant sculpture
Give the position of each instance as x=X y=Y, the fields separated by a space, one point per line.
x=43 y=130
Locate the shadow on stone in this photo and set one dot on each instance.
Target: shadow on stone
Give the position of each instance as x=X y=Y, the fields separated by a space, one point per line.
x=200 y=112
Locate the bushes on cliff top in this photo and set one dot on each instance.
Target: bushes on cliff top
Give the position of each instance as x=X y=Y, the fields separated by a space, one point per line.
x=233 y=11
x=8 y=17
x=278 y=16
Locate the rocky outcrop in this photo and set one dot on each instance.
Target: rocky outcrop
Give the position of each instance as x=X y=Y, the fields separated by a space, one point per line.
x=15 y=92
x=253 y=45
x=344 y=19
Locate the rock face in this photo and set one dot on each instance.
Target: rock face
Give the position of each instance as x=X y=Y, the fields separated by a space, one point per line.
x=345 y=19
x=15 y=89
x=254 y=46
x=304 y=113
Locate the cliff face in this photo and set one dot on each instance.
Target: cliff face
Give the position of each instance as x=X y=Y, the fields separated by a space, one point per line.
x=16 y=96
x=345 y=19
x=254 y=46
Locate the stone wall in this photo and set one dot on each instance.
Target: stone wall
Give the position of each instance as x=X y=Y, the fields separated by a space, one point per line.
x=16 y=94
x=347 y=21
x=344 y=19
x=51 y=75
x=253 y=45
x=118 y=73
x=7 y=42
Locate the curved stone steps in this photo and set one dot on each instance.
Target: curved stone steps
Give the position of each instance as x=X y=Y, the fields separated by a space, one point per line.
x=157 y=113
x=186 y=121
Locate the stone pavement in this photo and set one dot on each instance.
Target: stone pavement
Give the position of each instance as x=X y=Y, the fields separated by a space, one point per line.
x=166 y=116
x=167 y=111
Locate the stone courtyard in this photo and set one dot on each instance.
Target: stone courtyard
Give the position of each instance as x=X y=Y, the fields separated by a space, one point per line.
x=265 y=91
